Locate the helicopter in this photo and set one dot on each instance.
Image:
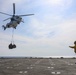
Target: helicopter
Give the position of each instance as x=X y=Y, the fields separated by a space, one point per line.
x=15 y=20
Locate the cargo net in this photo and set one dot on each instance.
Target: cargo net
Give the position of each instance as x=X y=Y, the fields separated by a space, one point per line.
x=12 y=45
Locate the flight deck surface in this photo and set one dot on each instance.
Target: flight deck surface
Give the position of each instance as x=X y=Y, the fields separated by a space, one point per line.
x=37 y=66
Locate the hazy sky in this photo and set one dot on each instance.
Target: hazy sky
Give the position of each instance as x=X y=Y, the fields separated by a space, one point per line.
x=47 y=33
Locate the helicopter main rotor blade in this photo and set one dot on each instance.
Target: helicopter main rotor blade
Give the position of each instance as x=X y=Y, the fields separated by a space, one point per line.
x=5 y=14
x=27 y=15
x=13 y=8
x=6 y=19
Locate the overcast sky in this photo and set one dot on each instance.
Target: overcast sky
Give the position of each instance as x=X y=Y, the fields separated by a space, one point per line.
x=47 y=33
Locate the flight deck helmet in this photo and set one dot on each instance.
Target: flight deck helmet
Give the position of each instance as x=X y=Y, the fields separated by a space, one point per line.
x=74 y=42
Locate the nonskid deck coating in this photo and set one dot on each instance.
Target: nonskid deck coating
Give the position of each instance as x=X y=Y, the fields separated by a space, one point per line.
x=37 y=66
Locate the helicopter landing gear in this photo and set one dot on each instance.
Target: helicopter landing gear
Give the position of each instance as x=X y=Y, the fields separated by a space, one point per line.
x=11 y=46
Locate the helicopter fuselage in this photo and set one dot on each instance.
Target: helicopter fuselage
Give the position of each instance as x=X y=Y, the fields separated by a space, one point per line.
x=15 y=20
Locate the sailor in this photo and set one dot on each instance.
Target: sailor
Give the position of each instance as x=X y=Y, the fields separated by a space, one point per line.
x=74 y=47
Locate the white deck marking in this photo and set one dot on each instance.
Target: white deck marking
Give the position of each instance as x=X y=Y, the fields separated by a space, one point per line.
x=51 y=62
x=52 y=72
x=48 y=67
x=9 y=67
x=66 y=62
x=56 y=73
x=22 y=71
x=25 y=71
x=38 y=61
